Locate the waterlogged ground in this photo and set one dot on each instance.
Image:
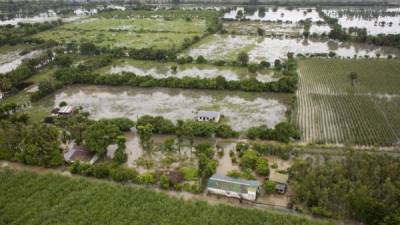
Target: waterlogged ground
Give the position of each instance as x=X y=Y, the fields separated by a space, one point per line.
x=375 y=20
x=277 y=14
x=163 y=70
x=227 y=47
x=271 y=28
x=11 y=60
x=241 y=110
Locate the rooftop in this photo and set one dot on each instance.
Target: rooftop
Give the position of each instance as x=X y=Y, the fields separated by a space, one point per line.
x=278 y=177
x=209 y=114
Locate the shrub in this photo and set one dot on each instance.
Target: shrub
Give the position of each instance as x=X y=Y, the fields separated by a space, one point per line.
x=249 y=159
x=262 y=167
x=269 y=187
x=200 y=59
x=164 y=182
x=147 y=178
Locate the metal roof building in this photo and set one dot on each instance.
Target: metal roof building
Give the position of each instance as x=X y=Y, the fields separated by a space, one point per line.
x=208 y=116
x=233 y=187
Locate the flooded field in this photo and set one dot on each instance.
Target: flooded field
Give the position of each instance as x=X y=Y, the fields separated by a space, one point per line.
x=271 y=28
x=241 y=110
x=163 y=70
x=275 y=14
x=227 y=47
x=12 y=60
x=375 y=20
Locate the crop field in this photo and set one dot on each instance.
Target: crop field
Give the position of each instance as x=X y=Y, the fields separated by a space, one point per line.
x=331 y=110
x=130 y=33
x=29 y=198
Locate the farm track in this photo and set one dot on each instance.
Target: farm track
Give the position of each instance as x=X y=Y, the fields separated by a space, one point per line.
x=330 y=111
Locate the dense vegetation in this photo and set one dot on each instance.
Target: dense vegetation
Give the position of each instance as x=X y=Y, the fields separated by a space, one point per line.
x=361 y=186
x=61 y=200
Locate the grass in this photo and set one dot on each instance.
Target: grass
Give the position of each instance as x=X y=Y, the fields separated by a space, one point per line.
x=138 y=33
x=29 y=198
x=331 y=110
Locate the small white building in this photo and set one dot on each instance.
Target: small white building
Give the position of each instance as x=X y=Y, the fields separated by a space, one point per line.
x=208 y=116
x=234 y=187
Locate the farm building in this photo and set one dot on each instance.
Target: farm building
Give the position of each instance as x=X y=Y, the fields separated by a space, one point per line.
x=64 y=111
x=233 y=187
x=208 y=116
x=79 y=153
x=280 y=180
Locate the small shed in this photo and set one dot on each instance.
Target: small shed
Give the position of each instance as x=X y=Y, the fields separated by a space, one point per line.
x=208 y=116
x=81 y=154
x=233 y=187
x=281 y=181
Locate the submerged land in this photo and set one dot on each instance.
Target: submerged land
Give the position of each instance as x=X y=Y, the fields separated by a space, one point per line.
x=100 y=103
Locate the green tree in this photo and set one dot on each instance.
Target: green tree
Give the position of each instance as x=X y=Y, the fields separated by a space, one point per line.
x=249 y=159
x=262 y=166
x=100 y=135
x=120 y=154
x=40 y=145
x=243 y=58
x=145 y=132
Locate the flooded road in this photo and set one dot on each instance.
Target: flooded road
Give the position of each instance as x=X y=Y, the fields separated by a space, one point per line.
x=241 y=110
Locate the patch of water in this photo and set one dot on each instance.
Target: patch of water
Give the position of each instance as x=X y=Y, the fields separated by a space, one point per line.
x=320 y=29
x=12 y=60
x=240 y=111
x=225 y=163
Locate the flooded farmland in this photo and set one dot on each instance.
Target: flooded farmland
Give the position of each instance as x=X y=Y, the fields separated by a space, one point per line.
x=375 y=21
x=160 y=71
x=241 y=110
x=275 y=14
x=11 y=60
x=228 y=47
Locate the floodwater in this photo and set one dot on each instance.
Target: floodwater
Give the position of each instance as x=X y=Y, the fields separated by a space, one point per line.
x=191 y=71
x=12 y=60
x=241 y=110
x=228 y=46
x=42 y=17
x=278 y=14
x=225 y=163
x=376 y=21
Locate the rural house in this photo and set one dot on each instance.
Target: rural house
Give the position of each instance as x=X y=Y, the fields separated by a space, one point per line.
x=233 y=187
x=64 y=111
x=208 y=116
x=280 y=180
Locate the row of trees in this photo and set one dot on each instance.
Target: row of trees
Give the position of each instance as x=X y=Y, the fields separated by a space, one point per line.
x=283 y=132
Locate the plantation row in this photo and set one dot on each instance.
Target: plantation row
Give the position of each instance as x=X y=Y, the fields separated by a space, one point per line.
x=333 y=76
x=29 y=198
x=346 y=119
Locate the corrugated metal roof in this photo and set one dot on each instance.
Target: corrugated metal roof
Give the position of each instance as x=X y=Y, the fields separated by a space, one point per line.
x=233 y=184
x=66 y=109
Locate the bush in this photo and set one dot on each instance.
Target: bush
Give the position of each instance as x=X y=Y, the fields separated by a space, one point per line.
x=249 y=159
x=262 y=167
x=123 y=174
x=164 y=182
x=124 y=124
x=269 y=187
x=200 y=59
x=147 y=178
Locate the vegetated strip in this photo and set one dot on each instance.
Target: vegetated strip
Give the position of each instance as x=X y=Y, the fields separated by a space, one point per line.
x=53 y=199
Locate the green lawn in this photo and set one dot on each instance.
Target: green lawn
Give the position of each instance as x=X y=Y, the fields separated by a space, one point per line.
x=29 y=198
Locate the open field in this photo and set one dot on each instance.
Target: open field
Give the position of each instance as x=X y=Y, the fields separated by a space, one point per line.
x=241 y=110
x=30 y=198
x=330 y=110
x=163 y=70
x=138 y=33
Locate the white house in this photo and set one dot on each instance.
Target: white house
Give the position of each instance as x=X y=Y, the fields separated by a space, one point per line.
x=208 y=116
